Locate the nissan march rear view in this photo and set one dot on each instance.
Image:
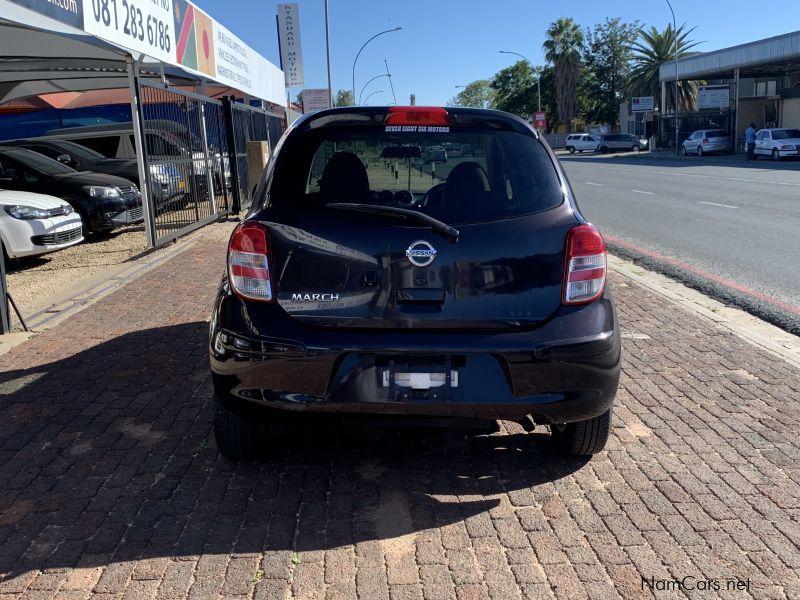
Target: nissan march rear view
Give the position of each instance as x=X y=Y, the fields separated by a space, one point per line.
x=364 y=280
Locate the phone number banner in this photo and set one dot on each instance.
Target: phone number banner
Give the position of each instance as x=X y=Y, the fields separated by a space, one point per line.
x=178 y=33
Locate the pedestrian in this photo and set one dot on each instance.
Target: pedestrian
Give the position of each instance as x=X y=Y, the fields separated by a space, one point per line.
x=750 y=138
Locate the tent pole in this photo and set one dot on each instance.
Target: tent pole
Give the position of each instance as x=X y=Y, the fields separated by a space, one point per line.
x=141 y=157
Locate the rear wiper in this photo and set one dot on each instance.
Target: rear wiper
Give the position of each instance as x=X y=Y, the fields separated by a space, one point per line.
x=450 y=233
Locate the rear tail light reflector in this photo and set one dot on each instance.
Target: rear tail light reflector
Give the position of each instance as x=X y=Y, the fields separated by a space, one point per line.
x=417 y=115
x=248 y=262
x=585 y=266
x=705 y=141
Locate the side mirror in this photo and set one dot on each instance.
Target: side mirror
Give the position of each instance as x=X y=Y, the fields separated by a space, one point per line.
x=64 y=158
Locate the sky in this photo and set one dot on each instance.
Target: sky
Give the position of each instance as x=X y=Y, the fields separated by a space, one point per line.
x=445 y=43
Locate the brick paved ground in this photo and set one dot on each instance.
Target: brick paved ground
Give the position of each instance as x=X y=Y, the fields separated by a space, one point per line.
x=110 y=484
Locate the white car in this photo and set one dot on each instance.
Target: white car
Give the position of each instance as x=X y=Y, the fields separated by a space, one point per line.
x=706 y=141
x=581 y=142
x=35 y=223
x=778 y=143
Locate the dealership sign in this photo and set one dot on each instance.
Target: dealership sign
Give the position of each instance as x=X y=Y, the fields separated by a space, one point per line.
x=289 y=44
x=642 y=104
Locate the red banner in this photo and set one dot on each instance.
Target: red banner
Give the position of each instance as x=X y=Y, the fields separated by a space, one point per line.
x=540 y=120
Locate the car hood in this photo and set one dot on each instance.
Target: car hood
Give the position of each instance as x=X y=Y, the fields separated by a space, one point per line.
x=10 y=197
x=92 y=178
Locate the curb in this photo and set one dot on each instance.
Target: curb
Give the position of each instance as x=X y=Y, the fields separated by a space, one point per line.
x=754 y=330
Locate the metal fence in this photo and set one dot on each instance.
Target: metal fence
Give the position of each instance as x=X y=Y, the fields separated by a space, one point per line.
x=185 y=151
x=247 y=124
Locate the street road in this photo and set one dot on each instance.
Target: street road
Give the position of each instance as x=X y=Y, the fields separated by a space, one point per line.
x=732 y=220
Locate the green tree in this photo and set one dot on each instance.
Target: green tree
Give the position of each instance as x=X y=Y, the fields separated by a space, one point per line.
x=514 y=90
x=650 y=51
x=478 y=94
x=343 y=98
x=607 y=55
x=562 y=49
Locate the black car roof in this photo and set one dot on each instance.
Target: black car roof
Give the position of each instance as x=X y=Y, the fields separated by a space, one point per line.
x=351 y=116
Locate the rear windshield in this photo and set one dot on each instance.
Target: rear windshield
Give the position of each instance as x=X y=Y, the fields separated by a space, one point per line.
x=457 y=175
x=785 y=134
x=716 y=133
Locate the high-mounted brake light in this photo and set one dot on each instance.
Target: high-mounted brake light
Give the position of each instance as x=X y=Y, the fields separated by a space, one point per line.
x=248 y=262
x=585 y=266
x=417 y=115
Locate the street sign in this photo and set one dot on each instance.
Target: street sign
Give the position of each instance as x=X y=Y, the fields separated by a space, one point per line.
x=316 y=99
x=540 y=120
x=289 y=44
x=642 y=104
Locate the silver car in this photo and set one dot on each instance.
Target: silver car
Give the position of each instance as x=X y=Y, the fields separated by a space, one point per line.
x=621 y=141
x=706 y=141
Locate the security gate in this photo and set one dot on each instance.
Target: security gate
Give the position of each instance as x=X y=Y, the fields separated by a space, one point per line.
x=185 y=158
x=247 y=124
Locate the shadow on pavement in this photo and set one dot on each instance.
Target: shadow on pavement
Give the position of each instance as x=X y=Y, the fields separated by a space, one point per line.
x=108 y=456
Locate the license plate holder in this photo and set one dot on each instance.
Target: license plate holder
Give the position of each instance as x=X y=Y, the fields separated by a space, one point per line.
x=425 y=382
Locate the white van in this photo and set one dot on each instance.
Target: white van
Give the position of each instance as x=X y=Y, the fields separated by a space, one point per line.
x=581 y=142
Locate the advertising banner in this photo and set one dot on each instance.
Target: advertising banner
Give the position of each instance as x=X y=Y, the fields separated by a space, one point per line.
x=642 y=104
x=713 y=96
x=140 y=25
x=178 y=33
x=289 y=42
x=69 y=12
x=316 y=99
x=540 y=120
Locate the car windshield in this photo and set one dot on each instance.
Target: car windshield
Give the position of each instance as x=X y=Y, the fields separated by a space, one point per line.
x=785 y=134
x=38 y=162
x=498 y=174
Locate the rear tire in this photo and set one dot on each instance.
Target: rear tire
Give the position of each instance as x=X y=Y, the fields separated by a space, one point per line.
x=683 y=151
x=700 y=151
x=583 y=438
x=571 y=150
x=236 y=434
x=635 y=149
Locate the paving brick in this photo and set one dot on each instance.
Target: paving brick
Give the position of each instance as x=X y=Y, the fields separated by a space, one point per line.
x=107 y=490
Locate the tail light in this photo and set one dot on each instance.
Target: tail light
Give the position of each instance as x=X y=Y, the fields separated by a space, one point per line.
x=417 y=115
x=248 y=262
x=705 y=140
x=585 y=265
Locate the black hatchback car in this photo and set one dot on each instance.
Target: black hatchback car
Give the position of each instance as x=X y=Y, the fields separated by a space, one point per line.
x=364 y=281
x=103 y=201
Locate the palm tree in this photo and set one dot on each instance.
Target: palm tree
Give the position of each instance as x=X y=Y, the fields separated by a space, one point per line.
x=650 y=51
x=563 y=50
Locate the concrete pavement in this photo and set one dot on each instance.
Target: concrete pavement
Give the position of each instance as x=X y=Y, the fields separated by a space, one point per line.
x=111 y=487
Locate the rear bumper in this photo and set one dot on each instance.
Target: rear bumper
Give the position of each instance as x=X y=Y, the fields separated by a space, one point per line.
x=563 y=371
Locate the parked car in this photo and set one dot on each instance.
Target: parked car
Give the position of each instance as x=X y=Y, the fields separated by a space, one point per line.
x=483 y=297
x=578 y=142
x=434 y=154
x=164 y=145
x=706 y=141
x=621 y=141
x=33 y=224
x=778 y=143
x=103 y=201
x=167 y=183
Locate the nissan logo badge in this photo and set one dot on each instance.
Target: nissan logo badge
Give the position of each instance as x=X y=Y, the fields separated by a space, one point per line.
x=421 y=253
